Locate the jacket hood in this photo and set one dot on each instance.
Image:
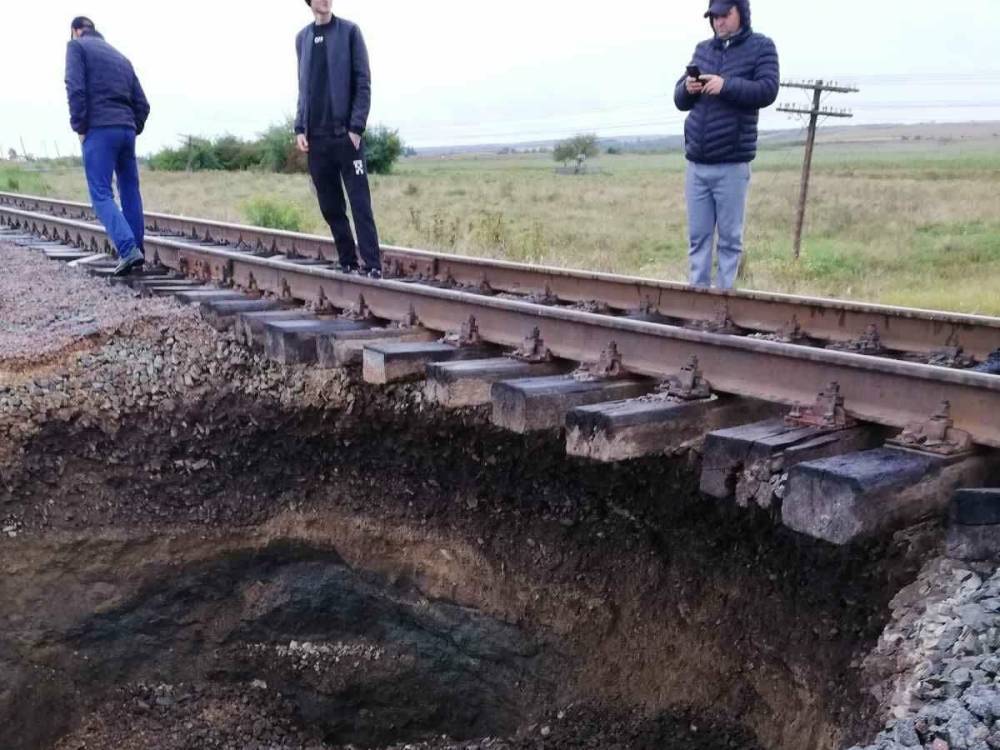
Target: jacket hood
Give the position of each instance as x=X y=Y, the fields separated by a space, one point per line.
x=744 y=6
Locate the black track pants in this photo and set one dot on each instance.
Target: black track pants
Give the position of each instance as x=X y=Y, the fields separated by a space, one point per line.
x=335 y=165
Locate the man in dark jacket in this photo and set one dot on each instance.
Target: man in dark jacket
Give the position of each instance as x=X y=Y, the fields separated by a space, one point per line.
x=335 y=95
x=108 y=108
x=737 y=76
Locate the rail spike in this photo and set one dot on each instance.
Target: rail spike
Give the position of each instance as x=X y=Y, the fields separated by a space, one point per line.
x=689 y=384
x=468 y=335
x=322 y=303
x=827 y=412
x=936 y=435
x=870 y=343
x=533 y=349
x=484 y=287
x=545 y=297
x=360 y=311
x=721 y=323
x=608 y=367
x=412 y=320
x=792 y=333
x=952 y=357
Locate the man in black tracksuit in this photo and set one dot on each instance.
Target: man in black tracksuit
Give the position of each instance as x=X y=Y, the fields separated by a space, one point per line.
x=334 y=99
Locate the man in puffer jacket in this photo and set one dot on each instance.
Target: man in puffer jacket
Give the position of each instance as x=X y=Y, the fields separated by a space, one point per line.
x=107 y=109
x=738 y=76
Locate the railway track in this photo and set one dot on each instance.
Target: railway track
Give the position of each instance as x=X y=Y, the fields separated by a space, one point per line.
x=654 y=332
x=880 y=330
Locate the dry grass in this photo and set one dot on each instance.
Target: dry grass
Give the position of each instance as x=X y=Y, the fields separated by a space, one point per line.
x=915 y=225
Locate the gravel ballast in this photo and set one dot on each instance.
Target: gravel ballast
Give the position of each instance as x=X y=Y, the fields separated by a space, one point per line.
x=47 y=307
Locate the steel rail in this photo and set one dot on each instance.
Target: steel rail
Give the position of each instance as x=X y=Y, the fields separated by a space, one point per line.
x=900 y=329
x=882 y=391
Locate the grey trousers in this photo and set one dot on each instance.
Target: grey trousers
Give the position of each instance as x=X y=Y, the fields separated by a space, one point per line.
x=716 y=199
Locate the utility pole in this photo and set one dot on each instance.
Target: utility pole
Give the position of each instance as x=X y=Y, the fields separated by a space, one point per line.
x=816 y=111
x=190 y=153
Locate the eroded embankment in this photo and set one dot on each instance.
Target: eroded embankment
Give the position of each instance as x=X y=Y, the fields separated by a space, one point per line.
x=201 y=549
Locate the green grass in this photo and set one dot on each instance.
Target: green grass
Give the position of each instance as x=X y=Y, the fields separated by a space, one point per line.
x=19 y=180
x=273 y=214
x=915 y=223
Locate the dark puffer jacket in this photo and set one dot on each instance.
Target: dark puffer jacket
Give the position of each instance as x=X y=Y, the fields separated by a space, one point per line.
x=723 y=129
x=102 y=87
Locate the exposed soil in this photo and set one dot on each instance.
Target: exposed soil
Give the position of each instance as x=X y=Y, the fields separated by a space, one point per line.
x=262 y=557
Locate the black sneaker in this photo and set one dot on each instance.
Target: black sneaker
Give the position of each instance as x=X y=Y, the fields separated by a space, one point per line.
x=348 y=269
x=375 y=273
x=125 y=267
x=991 y=366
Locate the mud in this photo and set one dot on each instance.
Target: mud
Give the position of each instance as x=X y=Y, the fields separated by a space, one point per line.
x=209 y=551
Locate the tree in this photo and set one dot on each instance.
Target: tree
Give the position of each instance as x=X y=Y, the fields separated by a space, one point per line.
x=277 y=149
x=582 y=144
x=383 y=147
x=235 y=154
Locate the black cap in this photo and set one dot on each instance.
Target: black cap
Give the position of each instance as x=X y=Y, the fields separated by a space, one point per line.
x=81 y=22
x=719 y=8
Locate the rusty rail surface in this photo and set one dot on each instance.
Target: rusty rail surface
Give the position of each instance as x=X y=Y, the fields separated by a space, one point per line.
x=883 y=391
x=836 y=321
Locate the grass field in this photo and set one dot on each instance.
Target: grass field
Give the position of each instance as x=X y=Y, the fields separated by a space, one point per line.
x=903 y=223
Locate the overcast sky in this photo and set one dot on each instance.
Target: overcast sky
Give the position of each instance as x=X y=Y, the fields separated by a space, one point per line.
x=467 y=71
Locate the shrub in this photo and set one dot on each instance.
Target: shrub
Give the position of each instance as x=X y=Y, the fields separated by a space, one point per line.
x=274 y=150
x=383 y=148
x=196 y=154
x=272 y=214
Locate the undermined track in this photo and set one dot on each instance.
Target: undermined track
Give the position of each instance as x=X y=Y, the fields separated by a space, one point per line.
x=879 y=390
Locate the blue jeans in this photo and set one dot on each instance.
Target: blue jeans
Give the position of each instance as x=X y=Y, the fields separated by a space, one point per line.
x=108 y=151
x=716 y=199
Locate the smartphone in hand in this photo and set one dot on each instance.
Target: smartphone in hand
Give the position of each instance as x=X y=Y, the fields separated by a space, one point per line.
x=693 y=71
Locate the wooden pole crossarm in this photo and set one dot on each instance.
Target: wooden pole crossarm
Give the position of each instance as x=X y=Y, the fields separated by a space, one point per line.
x=811 y=86
x=817 y=112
